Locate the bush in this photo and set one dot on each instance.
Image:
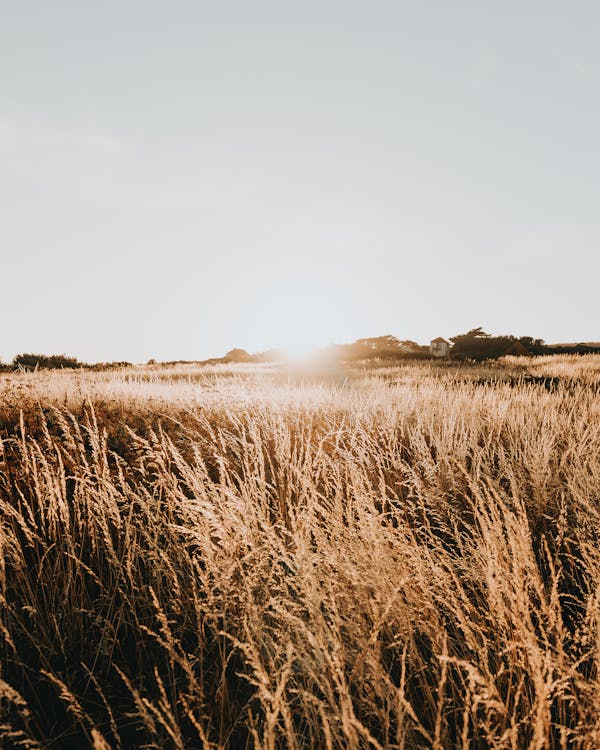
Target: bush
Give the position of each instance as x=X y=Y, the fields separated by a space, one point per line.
x=43 y=361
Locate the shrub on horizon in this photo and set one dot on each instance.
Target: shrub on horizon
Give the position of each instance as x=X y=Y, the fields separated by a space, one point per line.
x=43 y=361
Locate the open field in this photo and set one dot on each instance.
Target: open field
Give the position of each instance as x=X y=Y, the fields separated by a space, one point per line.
x=400 y=557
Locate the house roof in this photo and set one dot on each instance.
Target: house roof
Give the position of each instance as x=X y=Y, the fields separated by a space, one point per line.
x=439 y=340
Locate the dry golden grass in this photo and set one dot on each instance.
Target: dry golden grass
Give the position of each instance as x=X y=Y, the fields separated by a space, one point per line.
x=244 y=557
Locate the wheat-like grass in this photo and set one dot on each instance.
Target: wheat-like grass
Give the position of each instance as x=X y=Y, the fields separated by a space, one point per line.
x=397 y=558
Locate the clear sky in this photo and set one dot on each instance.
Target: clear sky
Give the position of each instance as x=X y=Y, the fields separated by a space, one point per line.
x=179 y=178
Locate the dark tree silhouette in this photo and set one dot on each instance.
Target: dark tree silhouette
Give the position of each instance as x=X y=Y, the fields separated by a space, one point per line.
x=44 y=361
x=477 y=344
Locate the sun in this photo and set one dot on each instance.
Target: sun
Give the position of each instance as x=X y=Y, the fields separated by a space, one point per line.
x=290 y=316
x=300 y=351
x=298 y=312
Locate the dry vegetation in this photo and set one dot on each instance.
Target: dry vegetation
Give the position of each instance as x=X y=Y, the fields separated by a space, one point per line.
x=244 y=557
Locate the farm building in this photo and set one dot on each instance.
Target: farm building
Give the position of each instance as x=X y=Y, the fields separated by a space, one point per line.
x=439 y=347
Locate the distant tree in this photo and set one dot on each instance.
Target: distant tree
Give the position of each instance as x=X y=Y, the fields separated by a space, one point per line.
x=534 y=346
x=474 y=333
x=43 y=361
x=412 y=349
x=471 y=345
x=382 y=347
x=408 y=344
x=477 y=344
x=378 y=347
x=380 y=342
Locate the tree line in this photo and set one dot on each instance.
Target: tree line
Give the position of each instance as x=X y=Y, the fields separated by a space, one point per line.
x=475 y=344
x=31 y=362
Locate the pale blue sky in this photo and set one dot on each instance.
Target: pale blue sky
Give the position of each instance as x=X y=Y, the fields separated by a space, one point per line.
x=178 y=178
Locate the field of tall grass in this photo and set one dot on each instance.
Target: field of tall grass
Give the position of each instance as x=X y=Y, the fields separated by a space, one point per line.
x=253 y=557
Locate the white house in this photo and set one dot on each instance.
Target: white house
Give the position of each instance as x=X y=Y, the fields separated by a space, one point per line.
x=439 y=347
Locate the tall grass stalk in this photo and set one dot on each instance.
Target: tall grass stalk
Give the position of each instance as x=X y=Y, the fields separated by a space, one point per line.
x=401 y=558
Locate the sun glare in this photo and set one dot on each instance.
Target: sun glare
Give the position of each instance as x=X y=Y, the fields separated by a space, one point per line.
x=300 y=351
x=299 y=316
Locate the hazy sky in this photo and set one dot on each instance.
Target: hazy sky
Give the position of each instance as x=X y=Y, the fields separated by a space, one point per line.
x=179 y=178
